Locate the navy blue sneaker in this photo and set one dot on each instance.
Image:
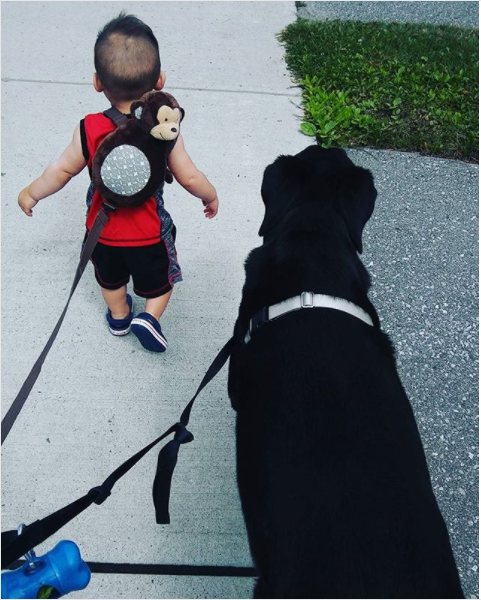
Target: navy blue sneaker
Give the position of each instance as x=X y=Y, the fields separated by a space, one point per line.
x=120 y=326
x=147 y=329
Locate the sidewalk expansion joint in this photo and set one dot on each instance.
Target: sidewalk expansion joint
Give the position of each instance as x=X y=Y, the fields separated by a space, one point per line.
x=293 y=94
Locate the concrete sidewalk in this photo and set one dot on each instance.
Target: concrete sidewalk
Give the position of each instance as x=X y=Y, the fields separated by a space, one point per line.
x=99 y=399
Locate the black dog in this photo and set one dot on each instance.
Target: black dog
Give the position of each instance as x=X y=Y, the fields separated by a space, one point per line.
x=333 y=480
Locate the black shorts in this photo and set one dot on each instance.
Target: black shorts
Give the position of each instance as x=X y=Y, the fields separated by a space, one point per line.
x=150 y=268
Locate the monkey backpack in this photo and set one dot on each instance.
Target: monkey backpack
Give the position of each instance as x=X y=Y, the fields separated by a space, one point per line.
x=131 y=162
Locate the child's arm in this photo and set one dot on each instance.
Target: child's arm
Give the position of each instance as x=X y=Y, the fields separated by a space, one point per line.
x=55 y=176
x=190 y=178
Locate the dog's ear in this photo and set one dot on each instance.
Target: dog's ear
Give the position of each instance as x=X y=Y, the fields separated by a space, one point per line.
x=355 y=201
x=280 y=187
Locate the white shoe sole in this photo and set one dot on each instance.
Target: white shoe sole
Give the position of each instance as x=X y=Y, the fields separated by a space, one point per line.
x=120 y=331
x=155 y=334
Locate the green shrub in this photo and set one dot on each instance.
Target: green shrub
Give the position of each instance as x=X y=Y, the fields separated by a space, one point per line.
x=402 y=86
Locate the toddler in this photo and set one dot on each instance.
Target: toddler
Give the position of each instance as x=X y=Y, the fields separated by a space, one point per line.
x=136 y=242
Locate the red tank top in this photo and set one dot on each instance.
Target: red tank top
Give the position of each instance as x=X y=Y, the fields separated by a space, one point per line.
x=138 y=226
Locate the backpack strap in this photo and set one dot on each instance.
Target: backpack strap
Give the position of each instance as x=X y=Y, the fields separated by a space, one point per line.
x=116 y=116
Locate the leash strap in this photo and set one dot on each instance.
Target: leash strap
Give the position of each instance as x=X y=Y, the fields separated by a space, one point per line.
x=169 y=453
x=90 y=242
x=14 y=546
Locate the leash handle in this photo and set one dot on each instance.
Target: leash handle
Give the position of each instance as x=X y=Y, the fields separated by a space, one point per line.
x=90 y=243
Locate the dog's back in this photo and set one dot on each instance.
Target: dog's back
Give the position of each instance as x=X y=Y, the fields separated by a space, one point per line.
x=332 y=474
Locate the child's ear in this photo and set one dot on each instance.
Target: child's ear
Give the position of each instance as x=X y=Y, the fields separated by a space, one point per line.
x=160 y=81
x=97 y=83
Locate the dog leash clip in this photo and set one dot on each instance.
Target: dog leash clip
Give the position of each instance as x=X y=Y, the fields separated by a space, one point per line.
x=30 y=556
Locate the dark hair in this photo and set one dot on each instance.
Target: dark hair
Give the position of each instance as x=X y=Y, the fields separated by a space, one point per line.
x=127 y=57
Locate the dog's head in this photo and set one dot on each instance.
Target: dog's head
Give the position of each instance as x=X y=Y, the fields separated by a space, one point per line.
x=318 y=175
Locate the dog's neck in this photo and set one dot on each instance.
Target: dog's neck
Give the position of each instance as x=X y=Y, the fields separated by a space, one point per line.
x=306 y=259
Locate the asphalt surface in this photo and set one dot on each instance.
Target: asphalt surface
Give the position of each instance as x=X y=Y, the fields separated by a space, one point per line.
x=423 y=259
x=465 y=14
x=421 y=250
x=99 y=399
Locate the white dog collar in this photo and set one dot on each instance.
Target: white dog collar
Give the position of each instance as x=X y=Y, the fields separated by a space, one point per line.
x=305 y=300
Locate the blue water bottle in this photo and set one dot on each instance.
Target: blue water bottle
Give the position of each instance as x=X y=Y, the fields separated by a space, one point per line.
x=51 y=575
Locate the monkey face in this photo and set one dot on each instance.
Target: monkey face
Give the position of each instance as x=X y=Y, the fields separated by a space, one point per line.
x=158 y=114
x=168 y=127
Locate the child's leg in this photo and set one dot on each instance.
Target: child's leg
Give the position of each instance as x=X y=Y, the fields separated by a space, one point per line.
x=146 y=325
x=156 y=306
x=116 y=300
x=150 y=269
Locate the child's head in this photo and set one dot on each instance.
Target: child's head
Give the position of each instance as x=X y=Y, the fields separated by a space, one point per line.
x=127 y=60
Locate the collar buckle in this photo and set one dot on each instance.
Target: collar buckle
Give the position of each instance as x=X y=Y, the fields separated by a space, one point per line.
x=307 y=300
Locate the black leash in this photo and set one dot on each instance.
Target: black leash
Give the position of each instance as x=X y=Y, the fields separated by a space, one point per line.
x=94 y=234
x=14 y=546
x=90 y=243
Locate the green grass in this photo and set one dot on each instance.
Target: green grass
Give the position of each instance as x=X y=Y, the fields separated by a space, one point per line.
x=399 y=86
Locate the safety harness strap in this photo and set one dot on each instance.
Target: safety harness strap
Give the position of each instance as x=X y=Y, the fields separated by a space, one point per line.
x=90 y=242
x=116 y=116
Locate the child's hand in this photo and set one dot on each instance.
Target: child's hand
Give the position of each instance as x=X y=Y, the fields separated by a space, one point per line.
x=211 y=208
x=26 y=202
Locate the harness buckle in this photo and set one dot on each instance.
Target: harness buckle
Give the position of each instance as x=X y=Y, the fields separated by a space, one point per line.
x=261 y=317
x=307 y=300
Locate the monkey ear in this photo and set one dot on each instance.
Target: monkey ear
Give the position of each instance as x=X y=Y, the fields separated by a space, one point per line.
x=136 y=109
x=182 y=113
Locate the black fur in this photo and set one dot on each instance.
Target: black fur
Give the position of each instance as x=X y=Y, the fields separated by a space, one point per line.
x=333 y=480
